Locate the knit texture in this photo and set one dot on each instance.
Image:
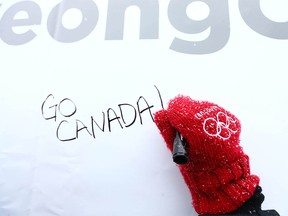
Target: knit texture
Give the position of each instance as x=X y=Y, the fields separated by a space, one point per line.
x=218 y=172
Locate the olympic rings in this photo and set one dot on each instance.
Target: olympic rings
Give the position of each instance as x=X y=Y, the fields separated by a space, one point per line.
x=219 y=127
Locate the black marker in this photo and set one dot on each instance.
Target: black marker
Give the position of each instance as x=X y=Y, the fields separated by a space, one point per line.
x=180 y=155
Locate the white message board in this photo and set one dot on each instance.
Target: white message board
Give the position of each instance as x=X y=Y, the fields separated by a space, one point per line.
x=81 y=80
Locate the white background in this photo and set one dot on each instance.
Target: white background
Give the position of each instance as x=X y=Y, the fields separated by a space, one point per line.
x=130 y=171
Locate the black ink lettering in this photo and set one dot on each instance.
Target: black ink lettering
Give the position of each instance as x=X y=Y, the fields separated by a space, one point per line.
x=54 y=115
x=110 y=120
x=143 y=110
x=94 y=122
x=72 y=112
x=81 y=128
x=160 y=97
x=122 y=116
x=66 y=108
x=57 y=132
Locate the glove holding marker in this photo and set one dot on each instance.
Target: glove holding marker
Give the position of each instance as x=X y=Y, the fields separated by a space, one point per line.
x=217 y=171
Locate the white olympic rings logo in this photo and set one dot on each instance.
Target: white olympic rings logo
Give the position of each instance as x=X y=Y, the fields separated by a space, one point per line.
x=219 y=127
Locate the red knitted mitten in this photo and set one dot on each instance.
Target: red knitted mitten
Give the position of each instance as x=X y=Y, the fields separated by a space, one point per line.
x=218 y=173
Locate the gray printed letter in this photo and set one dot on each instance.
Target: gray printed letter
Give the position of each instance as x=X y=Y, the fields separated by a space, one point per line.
x=217 y=21
x=9 y=21
x=256 y=20
x=90 y=16
x=149 y=24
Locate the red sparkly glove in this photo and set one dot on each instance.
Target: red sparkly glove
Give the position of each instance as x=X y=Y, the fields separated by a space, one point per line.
x=218 y=173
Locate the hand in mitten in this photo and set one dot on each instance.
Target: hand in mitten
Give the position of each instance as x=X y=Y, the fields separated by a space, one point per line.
x=218 y=173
